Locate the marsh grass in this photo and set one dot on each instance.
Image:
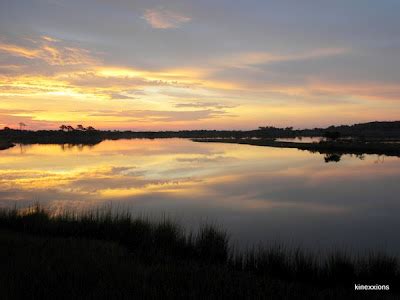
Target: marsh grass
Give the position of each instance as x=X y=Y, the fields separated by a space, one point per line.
x=167 y=246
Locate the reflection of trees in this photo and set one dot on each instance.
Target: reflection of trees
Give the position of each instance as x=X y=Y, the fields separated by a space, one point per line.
x=360 y=156
x=80 y=147
x=332 y=157
x=336 y=157
x=380 y=159
x=23 y=148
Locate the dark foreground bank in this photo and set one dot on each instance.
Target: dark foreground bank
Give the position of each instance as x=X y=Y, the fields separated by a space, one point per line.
x=112 y=256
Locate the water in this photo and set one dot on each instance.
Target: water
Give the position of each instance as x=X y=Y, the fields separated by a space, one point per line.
x=259 y=194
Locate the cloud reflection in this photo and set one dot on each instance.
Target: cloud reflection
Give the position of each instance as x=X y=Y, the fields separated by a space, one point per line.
x=236 y=185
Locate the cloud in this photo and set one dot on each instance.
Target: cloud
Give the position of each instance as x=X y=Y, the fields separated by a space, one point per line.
x=119 y=96
x=164 y=19
x=201 y=104
x=19 y=51
x=52 y=51
x=49 y=39
x=162 y=116
x=11 y=117
x=251 y=59
x=64 y=76
x=43 y=66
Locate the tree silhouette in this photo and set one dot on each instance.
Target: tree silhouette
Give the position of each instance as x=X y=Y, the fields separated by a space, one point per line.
x=80 y=127
x=70 y=128
x=63 y=127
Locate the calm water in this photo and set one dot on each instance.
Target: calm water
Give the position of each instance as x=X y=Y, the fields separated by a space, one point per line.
x=259 y=194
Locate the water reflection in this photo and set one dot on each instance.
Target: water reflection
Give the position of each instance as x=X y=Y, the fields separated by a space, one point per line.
x=79 y=147
x=337 y=157
x=257 y=193
x=332 y=157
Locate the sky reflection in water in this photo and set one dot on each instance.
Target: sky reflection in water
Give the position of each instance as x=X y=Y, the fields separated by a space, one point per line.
x=256 y=193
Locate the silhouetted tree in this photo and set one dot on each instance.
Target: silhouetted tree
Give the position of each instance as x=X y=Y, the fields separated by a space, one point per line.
x=80 y=127
x=70 y=128
x=63 y=127
x=22 y=125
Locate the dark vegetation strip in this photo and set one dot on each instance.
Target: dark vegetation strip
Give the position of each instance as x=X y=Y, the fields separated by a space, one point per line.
x=91 y=136
x=167 y=244
x=324 y=147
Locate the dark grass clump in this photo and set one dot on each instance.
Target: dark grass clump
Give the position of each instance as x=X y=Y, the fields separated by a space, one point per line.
x=149 y=240
x=166 y=245
x=39 y=267
x=212 y=245
x=337 y=269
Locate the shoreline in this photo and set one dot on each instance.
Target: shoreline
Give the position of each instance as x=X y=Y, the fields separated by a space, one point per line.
x=338 y=147
x=6 y=145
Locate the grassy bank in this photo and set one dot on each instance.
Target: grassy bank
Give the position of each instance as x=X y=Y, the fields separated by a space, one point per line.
x=104 y=255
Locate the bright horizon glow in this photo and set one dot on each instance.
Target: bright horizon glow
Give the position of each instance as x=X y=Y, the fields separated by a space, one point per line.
x=198 y=65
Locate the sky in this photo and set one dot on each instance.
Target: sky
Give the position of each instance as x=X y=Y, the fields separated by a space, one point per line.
x=185 y=64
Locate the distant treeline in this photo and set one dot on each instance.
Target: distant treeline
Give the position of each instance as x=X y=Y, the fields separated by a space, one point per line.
x=89 y=135
x=368 y=130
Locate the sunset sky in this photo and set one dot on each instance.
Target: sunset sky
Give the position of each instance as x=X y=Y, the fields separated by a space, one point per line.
x=161 y=65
